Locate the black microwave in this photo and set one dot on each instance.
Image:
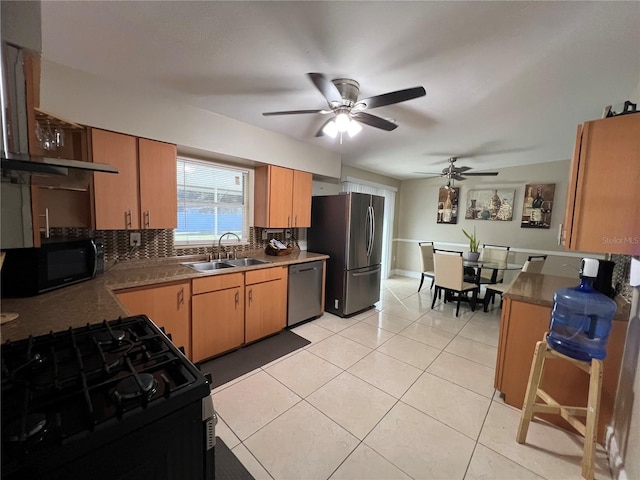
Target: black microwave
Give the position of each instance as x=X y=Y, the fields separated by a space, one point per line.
x=56 y=264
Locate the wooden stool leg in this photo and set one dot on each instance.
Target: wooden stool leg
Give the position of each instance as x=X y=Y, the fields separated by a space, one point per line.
x=537 y=367
x=593 y=410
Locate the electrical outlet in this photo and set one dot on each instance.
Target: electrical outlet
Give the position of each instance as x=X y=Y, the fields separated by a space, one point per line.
x=135 y=239
x=287 y=233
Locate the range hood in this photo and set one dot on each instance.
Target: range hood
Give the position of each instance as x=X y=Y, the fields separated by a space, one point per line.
x=16 y=163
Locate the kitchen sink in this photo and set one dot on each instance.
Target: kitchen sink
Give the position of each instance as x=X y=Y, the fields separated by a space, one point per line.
x=245 y=262
x=207 y=266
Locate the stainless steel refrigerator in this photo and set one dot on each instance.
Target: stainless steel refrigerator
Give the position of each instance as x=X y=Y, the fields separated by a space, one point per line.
x=348 y=228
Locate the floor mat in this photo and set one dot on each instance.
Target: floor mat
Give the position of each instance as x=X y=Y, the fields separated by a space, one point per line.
x=228 y=467
x=235 y=364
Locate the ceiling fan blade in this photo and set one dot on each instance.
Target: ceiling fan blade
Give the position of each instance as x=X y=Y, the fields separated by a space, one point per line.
x=326 y=87
x=430 y=173
x=457 y=177
x=374 y=121
x=481 y=174
x=461 y=169
x=292 y=112
x=393 y=97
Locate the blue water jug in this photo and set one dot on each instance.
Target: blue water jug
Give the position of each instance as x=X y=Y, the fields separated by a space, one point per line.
x=581 y=317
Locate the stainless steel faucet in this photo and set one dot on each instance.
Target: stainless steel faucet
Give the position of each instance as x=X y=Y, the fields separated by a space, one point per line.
x=222 y=249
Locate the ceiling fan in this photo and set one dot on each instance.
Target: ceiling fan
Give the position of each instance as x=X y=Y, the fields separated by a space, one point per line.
x=451 y=172
x=347 y=112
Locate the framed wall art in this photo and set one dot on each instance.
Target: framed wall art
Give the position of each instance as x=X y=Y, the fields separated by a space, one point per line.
x=494 y=204
x=448 y=204
x=538 y=203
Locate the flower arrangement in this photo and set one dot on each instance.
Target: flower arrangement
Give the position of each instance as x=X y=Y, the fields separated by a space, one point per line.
x=473 y=240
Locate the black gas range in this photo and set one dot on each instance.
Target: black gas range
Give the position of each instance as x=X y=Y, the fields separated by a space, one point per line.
x=114 y=400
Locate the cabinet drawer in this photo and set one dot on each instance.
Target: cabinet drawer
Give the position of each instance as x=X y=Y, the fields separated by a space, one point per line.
x=217 y=282
x=265 y=275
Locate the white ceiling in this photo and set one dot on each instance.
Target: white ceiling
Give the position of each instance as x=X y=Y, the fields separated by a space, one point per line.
x=508 y=80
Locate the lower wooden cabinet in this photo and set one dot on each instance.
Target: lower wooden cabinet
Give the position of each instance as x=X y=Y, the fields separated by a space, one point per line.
x=266 y=302
x=217 y=315
x=212 y=315
x=168 y=306
x=523 y=325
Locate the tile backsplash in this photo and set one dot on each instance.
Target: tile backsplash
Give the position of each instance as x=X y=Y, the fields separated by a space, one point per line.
x=159 y=243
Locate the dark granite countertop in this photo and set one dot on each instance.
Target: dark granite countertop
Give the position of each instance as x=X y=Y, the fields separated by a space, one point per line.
x=538 y=289
x=94 y=300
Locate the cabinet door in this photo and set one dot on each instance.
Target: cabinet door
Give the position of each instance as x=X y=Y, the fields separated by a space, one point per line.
x=158 y=186
x=273 y=194
x=115 y=196
x=266 y=309
x=168 y=306
x=301 y=204
x=603 y=200
x=217 y=322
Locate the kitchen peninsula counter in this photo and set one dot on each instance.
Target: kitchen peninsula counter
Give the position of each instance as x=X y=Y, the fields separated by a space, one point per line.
x=94 y=300
x=526 y=315
x=538 y=289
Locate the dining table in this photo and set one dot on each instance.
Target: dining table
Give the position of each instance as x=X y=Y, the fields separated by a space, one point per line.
x=492 y=265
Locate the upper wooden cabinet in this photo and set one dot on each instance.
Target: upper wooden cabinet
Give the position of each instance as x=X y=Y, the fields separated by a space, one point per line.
x=115 y=196
x=158 y=184
x=144 y=194
x=301 y=199
x=603 y=201
x=282 y=197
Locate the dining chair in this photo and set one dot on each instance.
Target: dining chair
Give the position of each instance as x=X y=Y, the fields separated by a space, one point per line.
x=534 y=264
x=450 y=278
x=493 y=254
x=426 y=256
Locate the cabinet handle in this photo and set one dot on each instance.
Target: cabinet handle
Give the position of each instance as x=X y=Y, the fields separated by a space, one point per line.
x=127 y=219
x=289 y=221
x=295 y=223
x=181 y=297
x=250 y=296
x=148 y=215
x=47 y=231
x=237 y=299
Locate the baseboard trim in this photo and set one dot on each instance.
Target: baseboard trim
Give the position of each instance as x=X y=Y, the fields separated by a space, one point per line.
x=616 y=464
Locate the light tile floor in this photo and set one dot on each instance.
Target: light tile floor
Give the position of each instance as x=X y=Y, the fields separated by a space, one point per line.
x=397 y=392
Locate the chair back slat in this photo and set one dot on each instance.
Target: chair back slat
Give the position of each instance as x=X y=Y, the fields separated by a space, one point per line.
x=493 y=254
x=426 y=256
x=448 y=268
x=534 y=264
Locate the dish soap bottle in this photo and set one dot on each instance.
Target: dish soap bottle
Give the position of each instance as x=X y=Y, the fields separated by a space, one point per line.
x=581 y=317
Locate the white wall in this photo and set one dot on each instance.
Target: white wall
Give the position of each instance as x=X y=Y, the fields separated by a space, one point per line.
x=21 y=23
x=90 y=100
x=417 y=218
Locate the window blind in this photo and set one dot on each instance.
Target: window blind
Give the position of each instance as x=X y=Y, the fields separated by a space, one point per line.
x=212 y=200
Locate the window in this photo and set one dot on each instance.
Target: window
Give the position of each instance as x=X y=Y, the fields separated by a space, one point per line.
x=212 y=199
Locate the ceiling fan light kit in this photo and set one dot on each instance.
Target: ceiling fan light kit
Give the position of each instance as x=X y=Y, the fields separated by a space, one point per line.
x=349 y=113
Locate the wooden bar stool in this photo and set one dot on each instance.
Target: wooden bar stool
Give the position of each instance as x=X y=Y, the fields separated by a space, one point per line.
x=569 y=413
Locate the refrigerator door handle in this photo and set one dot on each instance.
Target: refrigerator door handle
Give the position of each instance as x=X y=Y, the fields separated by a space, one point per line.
x=373 y=229
x=370 y=272
x=369 y=230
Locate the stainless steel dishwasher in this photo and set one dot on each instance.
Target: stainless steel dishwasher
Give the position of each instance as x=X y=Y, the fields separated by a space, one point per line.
x=305 y=292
